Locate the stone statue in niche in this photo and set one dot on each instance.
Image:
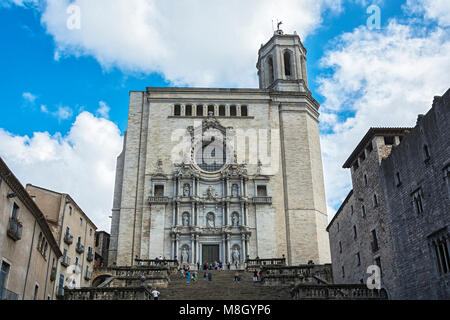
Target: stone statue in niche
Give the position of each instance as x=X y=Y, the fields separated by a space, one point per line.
x=184 y=255
x=235 y=219
x=186 y=190
x=236 y=254
x=210 y=220
x=234 y=190
x=186 y=220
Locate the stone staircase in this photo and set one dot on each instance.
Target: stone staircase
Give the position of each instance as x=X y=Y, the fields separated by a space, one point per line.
x=222 y=287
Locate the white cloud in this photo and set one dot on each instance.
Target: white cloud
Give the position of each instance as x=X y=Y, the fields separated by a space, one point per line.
x=61 y=112
x=438 y=10
x=198 y=42
x=103 y=110
x=29 y=97
x=84 y=157
x=379 y=78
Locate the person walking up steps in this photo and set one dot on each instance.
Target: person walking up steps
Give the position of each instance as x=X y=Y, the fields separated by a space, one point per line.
x=255 y=276
x=210 y=276
x=155 y=294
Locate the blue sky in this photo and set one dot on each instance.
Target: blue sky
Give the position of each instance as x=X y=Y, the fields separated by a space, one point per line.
x=54 y=81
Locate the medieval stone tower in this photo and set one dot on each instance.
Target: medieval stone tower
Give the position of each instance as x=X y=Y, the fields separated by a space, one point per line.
x=224 y=174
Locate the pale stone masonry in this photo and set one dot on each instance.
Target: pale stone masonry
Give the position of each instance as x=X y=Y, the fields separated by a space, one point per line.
x=243 y=206
x=29 y=253
x=394 y=172
x=74 y=233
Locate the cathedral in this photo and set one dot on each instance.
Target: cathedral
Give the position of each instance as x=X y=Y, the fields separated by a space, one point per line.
x=211 y=174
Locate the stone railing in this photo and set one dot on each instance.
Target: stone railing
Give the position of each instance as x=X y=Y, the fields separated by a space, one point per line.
x=108 y=293
x=158 y=200
x=293 y=275
x=79 y=248
x=262 y=200
x=68 y=238
x=334 y=292
x=258 y=264
x=137 y=272
x=171 y=264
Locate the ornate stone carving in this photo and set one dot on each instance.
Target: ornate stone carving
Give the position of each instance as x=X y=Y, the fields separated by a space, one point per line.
x=236 y=255
x=210 y=220
x=186 y=190
x=210 y=193
x=185 y=219
x=185 y=254
x=235 y=219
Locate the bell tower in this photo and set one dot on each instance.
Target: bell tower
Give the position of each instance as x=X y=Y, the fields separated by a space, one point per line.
x=282 y=63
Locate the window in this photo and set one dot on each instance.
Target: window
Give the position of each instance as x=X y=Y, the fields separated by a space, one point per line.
x=358 y=259
x=76 y=261
x=222 y=111
x=287 y=63
x=177 y=110
x=374 y=243
x=378 y=263
x=355 y=234
x=200 y=110
x=351 y=208
x=338 y=226
x=363 y=210
x=81 y=221
x=36 y=292
x=366 y=181
x=375 y=200
x=389 y=141
x=159 y=191
x=4 y=273
x=270 y=69
x=244 y=111
x=440 y=247
x=15 y=211
x=262 y=191
x=426 y=152
x=70 y=211
x=343 y=272
x=188 y=110
x=398 y=181
x=233 y=111
x=340 y=247
x=211 y=110
x=418 y=201
x=90 y=232
x=97 y=239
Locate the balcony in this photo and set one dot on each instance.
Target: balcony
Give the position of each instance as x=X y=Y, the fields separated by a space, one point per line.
x=15 y=229
x=68 y=238
x=90 y=256
x=262 y=200
x=88 y=276
x=79 y=248
x=5 y=294
x=158 y=200
x=53 y=274
x=65 y=261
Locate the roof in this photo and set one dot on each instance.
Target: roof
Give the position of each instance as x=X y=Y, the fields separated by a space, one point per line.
x=340 y=208
x=368 y=137
x=69 y=198
x=8 y=176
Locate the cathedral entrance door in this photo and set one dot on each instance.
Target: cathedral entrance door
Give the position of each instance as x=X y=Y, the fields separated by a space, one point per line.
x=210 y=253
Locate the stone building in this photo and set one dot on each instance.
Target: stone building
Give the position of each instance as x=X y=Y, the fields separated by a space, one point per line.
x=224 y=174
x=102 y=239
x=29 y=253
x=74 y=233
x=417 y=185
x=376 y=224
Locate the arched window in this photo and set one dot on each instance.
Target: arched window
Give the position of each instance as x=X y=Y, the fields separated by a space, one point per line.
x=222 y=110
x=233 y=111
x=200 y=110
x=287 y=63
x=270 y=69
x=244 y=111
x=177 y=110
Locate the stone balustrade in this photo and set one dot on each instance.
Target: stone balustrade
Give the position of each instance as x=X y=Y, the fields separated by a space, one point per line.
x=108 y=293
x=293 y=275
x=335 y=292
x=171 y=264
x=262 y=200
x=158 y=200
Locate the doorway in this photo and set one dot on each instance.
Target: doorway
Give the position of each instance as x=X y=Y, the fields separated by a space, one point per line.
x=210 y=253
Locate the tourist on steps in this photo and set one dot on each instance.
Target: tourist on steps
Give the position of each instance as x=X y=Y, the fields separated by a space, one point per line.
x=255 y=276
x=209 y=276
x=204 y=276
x=155 y=294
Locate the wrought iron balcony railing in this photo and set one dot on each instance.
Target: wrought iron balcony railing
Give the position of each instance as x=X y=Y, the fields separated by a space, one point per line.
x=65 y=261
x=90 y=256
x=79 y=248
x=158 y=200
x=88 y=275
x=15 y=229
x=53 y=274
x=68 y=238
x=262 y=200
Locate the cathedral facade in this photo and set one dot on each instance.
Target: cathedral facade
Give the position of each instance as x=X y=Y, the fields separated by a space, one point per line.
x=224 y=174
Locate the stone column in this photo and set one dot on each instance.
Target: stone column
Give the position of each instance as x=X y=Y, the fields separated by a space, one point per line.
x=228 y=213
x=228 y=248
x=192 y=219
x=197 y=248
x=178 y=213
x=243 y=253
x=192 y=249
x=246 y=213
x=174 y=220
x=177 y=240
x=172 y=254
x=223 y=249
